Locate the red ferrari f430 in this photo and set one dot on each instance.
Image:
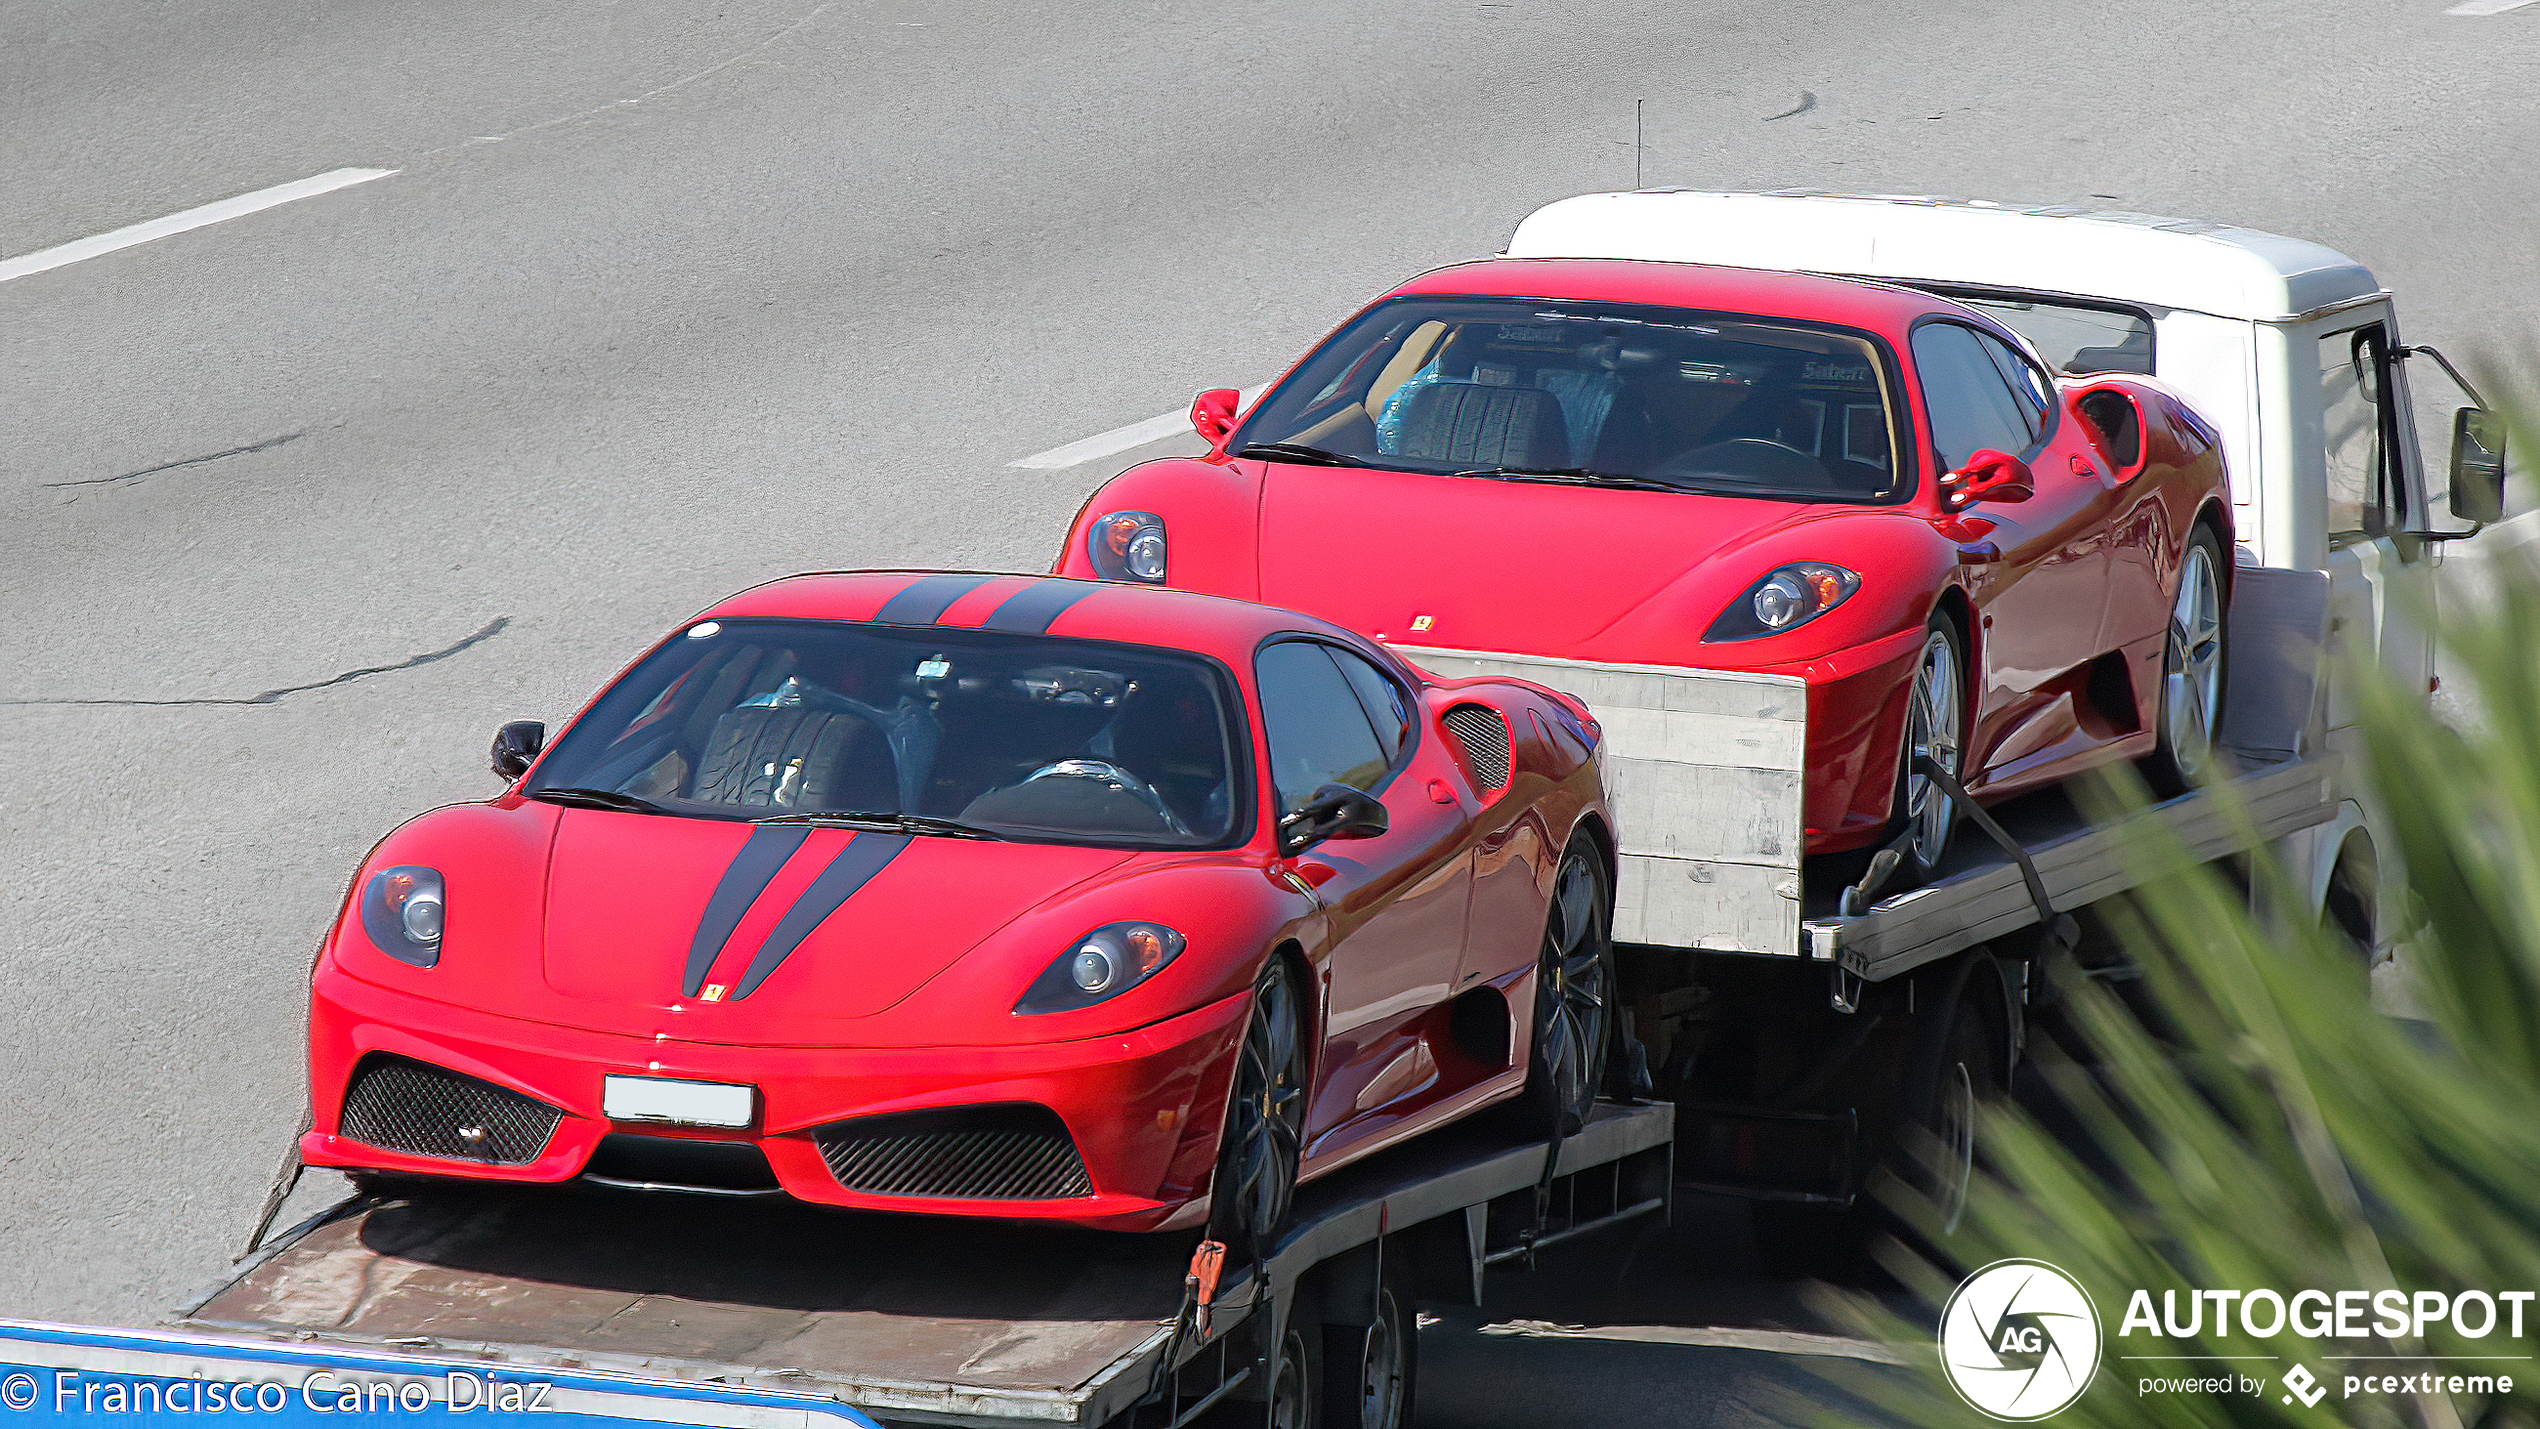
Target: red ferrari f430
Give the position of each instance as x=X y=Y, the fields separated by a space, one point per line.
x=1011 y=896
x=2016 y=572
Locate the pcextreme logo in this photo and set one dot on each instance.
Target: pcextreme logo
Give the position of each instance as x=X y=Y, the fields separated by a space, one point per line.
x=2019 y=1340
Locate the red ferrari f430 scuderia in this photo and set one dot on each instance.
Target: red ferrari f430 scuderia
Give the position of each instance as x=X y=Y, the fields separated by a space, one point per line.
x=1010 y=896
x=2016 y=572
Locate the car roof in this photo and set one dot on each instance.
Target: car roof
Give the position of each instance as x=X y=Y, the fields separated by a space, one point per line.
x=1760 y=292
x=1030 y=604
x=2128 y=257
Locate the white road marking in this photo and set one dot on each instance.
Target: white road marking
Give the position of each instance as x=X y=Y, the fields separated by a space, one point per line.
x=208 y=214
x=1119 y=439
x=2487 y=7
x=1718 y=1337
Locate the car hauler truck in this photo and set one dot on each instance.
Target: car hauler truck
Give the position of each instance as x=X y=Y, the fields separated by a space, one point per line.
x=1806 y=1026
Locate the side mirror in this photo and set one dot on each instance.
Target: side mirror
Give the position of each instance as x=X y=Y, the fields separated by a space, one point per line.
x=516 y=744
x=1335 y=812
x=2478 y=465
x=1213 y=413
x=1989 y=475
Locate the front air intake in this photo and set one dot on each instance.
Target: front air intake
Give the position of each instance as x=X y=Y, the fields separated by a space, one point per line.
x=1482 y=736
x=403 y=1105
x=1014 y=1152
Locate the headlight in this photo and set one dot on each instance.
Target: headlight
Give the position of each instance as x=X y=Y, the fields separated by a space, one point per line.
x=1103 y=964
x=402 y=910
x=1129 y=546
x=1786 y=599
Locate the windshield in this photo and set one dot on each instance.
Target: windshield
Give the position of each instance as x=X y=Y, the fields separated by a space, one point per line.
x=1684 y=400
x=1020 y=736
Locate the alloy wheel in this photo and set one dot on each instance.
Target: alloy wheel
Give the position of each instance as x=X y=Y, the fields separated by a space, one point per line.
x=1266 y=1134
x=1932 y=728
x=1574 y=993
x=2191 y=686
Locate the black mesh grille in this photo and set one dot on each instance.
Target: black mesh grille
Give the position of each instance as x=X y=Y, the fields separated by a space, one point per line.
x=1483 y=736
x=987 y=1153
x=418 y=1108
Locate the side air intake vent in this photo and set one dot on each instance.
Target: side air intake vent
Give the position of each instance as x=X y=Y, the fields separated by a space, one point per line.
x=1483 y=737
x=1015 y=1152
x=424 y=1110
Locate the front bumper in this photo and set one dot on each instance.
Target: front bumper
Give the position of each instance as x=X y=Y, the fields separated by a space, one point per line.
x=1143 y=1108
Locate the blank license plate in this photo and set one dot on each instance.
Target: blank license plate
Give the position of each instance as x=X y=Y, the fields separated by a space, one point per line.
x=678 y=1103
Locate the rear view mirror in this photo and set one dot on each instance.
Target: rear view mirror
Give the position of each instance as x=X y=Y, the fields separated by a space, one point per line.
x=1213 y=413
x=1336 y=811
x=2478 y=465
x=516 y=745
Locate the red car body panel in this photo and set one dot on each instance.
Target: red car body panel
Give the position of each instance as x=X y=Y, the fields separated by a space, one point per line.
x=2072 y=584
x=568 y=930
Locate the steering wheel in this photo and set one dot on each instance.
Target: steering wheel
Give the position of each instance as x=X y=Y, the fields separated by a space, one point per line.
x=1118 y=778
x=1758 y=458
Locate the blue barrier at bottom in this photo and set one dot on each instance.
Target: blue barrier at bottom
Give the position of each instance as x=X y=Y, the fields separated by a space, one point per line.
x=147 y=1377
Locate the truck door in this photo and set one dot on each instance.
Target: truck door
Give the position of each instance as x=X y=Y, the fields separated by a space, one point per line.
x=2379 y=581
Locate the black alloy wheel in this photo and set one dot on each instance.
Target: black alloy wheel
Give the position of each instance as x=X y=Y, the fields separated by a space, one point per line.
x=1574 y=997
x=1257 y=1160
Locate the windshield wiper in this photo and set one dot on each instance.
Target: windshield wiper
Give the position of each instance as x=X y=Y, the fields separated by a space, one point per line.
x=598 y=799
x=1295 y=453
x=884 y=821
x=1567 y=476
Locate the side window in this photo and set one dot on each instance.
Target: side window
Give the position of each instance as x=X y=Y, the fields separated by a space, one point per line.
x=2035 y=396
x=2364 y=499
x=1381 y=699
x=1972 y=405
x=1317 y=728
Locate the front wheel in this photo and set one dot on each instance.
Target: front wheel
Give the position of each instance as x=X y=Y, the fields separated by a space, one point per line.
x=1925 y=817
x=1257 y=1159
x=2193 y=664
x=1574 y=998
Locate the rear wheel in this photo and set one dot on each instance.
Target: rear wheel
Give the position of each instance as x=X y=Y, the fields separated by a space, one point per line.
x=1369 y=1373
x=2193 y=663
x=1574 y=996
x=1935 y=725
x=1936 y=1156
x=1257 y=1160
x=1292 y=1395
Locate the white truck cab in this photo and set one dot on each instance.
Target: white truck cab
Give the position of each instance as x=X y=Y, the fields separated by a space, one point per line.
x=2290 y=349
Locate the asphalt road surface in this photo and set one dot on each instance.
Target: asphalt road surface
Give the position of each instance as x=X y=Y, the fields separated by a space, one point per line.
x=663 y=300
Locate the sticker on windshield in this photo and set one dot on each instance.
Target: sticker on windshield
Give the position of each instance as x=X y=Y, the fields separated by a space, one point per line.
x=934 y=669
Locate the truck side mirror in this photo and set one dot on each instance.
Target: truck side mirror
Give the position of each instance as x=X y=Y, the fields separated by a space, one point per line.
x=516 y=745
x=2478 y=465
x=1213 y=413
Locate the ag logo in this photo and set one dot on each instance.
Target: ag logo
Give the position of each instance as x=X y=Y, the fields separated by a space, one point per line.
x=2019 y=1340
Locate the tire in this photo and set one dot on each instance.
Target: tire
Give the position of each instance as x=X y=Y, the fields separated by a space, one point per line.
x=1936 y=1156
x=1293 y=1396
x=1935 y=723
x=2195 y=659
x=1370 y=1372
x=1254 y=1189
x=1574 y=999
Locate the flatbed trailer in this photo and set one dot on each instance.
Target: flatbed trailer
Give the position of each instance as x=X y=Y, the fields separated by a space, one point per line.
x=945 y=1322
